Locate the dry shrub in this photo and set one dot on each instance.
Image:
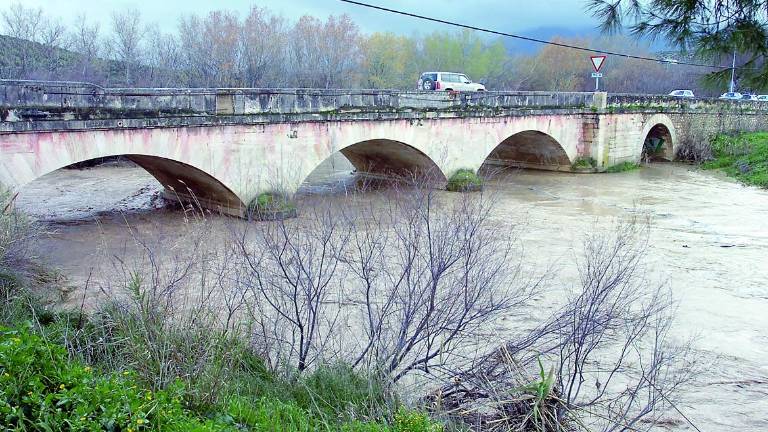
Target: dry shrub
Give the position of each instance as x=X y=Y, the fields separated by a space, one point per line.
x=17 y=234
x=696 y=148
x=604 y=361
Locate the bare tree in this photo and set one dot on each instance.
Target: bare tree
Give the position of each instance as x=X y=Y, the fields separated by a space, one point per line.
x=86 y=40
x=211 y=48
x=127 y=36
x=54 y=38
x=23 y=23
x=614 y=365
x=17 y=235
x=325 y=55
x=163 y=58
x=294 y=271
x=264 y=38
x=430 y=276
x=617 y=327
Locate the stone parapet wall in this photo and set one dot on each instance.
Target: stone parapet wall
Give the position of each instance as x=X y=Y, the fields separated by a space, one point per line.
x=663 y=103
x=222 y=101
x=693 y=128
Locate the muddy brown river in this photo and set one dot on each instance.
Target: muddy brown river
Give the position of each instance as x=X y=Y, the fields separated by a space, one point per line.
x=709 y=242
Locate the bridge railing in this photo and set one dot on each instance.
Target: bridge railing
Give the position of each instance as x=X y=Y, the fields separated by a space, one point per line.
x=656 y=102
x=65 y=95
x=53 y=99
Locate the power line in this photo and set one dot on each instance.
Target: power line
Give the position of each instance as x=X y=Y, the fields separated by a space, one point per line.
x=529 y=39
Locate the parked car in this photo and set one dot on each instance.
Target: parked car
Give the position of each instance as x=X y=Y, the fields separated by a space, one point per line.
x=748 y=97
x=448 y=81
x=731 y=96
x=682 y=93
x=762 y=98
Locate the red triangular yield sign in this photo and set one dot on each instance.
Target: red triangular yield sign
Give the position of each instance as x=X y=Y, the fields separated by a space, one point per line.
x=597 y=62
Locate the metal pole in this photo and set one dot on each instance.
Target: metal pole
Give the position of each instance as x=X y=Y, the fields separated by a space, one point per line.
x=597 y=83
x=733 y=71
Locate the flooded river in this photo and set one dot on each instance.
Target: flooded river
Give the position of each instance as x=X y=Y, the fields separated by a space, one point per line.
x=709 y=241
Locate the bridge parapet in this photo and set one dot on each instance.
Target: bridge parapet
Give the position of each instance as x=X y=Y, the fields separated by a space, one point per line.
x=662 y=103
x=51 y=97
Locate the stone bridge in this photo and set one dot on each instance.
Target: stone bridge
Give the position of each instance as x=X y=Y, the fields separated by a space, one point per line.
x=225 y=146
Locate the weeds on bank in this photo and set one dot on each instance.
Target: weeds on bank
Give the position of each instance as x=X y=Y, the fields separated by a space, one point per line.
x=43 y=387
x=743 y=156
x=139 y=364
x=584 y=163
x=622 y=167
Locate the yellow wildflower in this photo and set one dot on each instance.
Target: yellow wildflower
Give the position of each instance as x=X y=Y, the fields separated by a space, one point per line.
x=62 y=387
x=140 y=421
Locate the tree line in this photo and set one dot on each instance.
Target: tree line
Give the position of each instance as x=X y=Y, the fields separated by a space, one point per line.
x=264 y=49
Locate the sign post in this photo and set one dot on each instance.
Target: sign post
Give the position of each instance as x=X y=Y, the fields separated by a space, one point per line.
x=597 y=63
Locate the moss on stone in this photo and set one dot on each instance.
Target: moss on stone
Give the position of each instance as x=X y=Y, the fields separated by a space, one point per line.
x=584 y=163
x=464 y=180
x=622 y=167
x=271 y=206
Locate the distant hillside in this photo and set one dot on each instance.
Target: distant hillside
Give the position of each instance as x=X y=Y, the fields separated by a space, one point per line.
x=518 y=46
x=21 y=56
x=23 y=59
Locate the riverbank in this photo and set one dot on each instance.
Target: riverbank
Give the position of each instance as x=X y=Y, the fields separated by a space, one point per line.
x=743 y=156
x=132 y=365
x=49 y=382
x=704 y=231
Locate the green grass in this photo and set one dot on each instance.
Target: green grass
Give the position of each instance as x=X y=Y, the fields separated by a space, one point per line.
x=584 y=163
x=271 y=201
x=622 y=167
x=126 y=368
x=464 y=180
x=48 y=384
x=43 y=389
x=743 y=156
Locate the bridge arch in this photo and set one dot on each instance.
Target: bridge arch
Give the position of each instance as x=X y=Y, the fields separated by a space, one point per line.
x=188 y=183
x=187 y=168
x=392 y=158
x=389 y=158
x=181 y=181
x=659 y=139
x=531 y=149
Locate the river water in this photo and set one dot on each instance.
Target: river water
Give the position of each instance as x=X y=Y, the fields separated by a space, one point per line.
x=709 y=241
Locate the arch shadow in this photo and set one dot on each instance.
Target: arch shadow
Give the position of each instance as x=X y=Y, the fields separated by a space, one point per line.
x=530 y=149
x=181 y=181
x=658 y=144
x=391 y=158
x=378 y=162
x=187 y=182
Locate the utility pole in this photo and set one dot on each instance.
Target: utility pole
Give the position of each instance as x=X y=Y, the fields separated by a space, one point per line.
x=733 y=71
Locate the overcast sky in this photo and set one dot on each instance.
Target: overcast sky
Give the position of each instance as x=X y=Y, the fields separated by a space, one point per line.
x=505 y=15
